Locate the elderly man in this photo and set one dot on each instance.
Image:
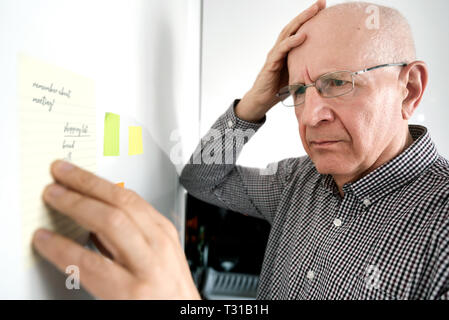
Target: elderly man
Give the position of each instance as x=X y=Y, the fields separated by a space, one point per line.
x=364 y=216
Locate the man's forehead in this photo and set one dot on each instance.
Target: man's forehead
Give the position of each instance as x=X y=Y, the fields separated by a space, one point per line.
x=337 y=36
x=307 y=68
x=327 y=49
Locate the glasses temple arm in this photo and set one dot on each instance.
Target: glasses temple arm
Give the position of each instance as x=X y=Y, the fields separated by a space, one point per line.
x=403 y=64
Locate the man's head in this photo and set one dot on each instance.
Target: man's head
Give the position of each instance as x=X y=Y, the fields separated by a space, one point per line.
x=370 y=124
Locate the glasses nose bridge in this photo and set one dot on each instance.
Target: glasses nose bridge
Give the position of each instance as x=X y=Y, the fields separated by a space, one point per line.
x=314 y=84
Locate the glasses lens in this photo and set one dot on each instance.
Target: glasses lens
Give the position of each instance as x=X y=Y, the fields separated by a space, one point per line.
x=335 y=84
x=292 y=96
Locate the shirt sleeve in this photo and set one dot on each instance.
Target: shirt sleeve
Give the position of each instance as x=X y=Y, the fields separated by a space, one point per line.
x=213 y=176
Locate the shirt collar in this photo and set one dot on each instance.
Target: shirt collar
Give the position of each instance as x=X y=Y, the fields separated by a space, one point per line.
x=394 y=174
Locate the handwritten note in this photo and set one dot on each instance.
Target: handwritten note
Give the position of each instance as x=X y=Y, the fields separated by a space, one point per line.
x=57 y=121
x=135 y=141
x=111 y=146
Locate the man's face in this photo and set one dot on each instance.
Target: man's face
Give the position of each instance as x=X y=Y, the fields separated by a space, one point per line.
x=345 y=135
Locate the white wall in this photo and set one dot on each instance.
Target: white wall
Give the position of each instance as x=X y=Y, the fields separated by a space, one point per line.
x=237 y=35
x=144 y=58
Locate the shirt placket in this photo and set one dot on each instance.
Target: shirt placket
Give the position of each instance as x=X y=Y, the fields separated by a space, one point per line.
x=336 y=222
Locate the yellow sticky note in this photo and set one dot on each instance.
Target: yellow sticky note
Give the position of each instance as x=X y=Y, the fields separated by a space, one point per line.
x=111 y=145
x=135 y=141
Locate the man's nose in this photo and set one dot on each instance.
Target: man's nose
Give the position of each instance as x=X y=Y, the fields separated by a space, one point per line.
x=316 y=109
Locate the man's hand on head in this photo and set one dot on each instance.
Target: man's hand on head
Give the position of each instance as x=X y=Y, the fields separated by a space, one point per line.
x=274 y=74
x=148 y=261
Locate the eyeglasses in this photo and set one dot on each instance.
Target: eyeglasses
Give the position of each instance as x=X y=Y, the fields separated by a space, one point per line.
x=329 y=85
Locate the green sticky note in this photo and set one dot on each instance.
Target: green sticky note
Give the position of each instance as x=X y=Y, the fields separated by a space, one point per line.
x=135 y=141
x=111 y=145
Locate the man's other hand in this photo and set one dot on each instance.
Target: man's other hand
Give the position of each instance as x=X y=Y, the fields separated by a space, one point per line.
x=274 y=75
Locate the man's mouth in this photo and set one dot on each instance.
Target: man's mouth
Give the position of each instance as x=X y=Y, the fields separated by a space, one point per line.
x=323 y=143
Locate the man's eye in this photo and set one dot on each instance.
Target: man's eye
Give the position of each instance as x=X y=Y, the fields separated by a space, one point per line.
x=337 y=83
x=300 y=90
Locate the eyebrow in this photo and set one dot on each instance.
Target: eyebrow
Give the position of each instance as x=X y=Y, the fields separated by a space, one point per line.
x=322 y=74
x=308 y=75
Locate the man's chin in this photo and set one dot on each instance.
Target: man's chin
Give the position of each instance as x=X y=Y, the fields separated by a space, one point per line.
x=331 y=166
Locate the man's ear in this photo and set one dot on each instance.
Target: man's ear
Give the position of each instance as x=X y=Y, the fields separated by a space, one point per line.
x=414 y=78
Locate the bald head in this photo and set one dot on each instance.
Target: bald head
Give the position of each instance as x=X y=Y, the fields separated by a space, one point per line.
x=357 y=35
x=384 y=30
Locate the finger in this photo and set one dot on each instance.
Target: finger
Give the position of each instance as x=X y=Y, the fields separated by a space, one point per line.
x=299 y=20
x=279 y=53
x=100 y=276
x=87 y=183
x=124 y=240
x=101 y=247
x=305 y=16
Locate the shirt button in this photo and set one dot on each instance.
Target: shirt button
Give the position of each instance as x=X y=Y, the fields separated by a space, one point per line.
x=366 y=202
x=230 y=124
x=310 y=274
x=337 y=222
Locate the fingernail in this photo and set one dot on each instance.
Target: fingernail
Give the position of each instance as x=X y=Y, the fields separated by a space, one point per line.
x=42 y=235
x=64 y=166
x=55 y=190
